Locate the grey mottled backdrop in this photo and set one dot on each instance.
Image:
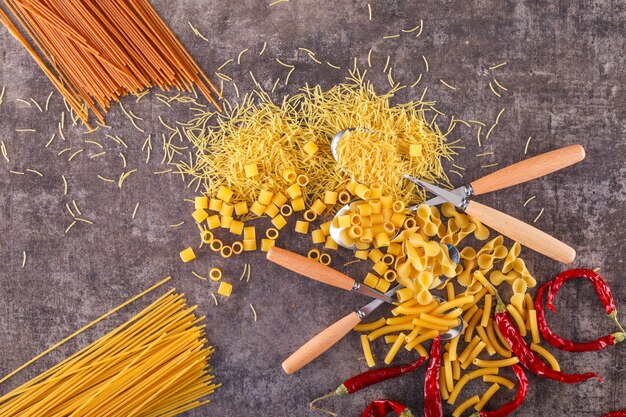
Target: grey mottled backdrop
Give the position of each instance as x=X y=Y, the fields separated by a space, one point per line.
x=565 y=78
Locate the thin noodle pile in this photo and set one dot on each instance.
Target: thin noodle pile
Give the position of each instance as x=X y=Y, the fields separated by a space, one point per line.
x=95 y=52
x=156 y=364
x=273 y=136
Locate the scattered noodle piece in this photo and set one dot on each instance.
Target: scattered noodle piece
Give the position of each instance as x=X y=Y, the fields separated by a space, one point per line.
x=529 y=200
x=447 y=85
x=494 y=124
x=135 y=211
x=253 y=312
x=497 y=66
x=500 y=86
x=34 y=171
x=493 y=90
x=527 y=143
x=538 y=215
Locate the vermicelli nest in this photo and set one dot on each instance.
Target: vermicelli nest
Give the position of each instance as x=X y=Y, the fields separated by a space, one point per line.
x=272 y=135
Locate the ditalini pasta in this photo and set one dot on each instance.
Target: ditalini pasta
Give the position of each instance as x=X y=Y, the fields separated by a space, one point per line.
x=157 y=363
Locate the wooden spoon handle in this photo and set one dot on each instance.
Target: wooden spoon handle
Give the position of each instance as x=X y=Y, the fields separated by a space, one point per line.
x=521 y=232
x=320 y=343
x=529 y=169
x=309 y=268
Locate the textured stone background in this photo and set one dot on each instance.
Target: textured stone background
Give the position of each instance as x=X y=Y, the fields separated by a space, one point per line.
x=566 y=79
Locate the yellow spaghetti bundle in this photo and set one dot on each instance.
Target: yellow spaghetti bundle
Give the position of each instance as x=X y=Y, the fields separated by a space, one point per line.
x=156 y=364
x=290 y=139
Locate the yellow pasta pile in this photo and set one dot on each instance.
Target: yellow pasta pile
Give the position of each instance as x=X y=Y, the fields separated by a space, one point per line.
x=479 y=351
x=251 y=146
x=156 y=364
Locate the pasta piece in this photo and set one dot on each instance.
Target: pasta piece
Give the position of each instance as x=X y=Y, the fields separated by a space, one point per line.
x=483 y=371
x=241 y=208
x=298 y=204
x=216 y=245
x=302 y=227
x=215 y=204
x=472 y=401
x=279 y=221
x=187 y=255
x=249 y=232
x=226 y=251
x=237 y=247
x=265 y=197
x=454 y=394
x=225 y=289
x=249 y=245
x=554 y=364
x=206 y=236
x=266 y=244
x=224 y=194
x=236 y=227
x=394 y=348
x=500 y=380
x=498 y=363
x=504 y=352
x=201 y=202
x=447 y=371
x=215 y=274
x=199 y=215
x=517 y=318
x=486 y=397
x=367 y=351
x=325 y=259
x=318 y=236
x=271 y=233
x=367 y=327
x=272 y=210
x=330 y=243
x=251 y=170
x=302 y=180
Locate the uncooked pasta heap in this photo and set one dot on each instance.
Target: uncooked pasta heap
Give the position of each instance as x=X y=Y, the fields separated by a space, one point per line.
x=156 y=364
x=256 y=144
x=261 y=159
x=97 y=52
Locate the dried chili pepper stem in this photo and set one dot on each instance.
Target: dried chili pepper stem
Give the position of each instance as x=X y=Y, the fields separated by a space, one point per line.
x=564 y=344
x=508 y=408
x=365 y=379
x=380 y=408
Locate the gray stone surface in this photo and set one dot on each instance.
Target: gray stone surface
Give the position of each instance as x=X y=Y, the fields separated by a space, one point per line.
x=565 y=76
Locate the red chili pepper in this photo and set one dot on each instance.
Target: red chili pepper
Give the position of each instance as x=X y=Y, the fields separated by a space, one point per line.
x=508 y=408
x=565 y=344
x=432 y=393
x=602 y=288
x=368 y=378
x=527 y=357
x=621 y=413
x=380 y=408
